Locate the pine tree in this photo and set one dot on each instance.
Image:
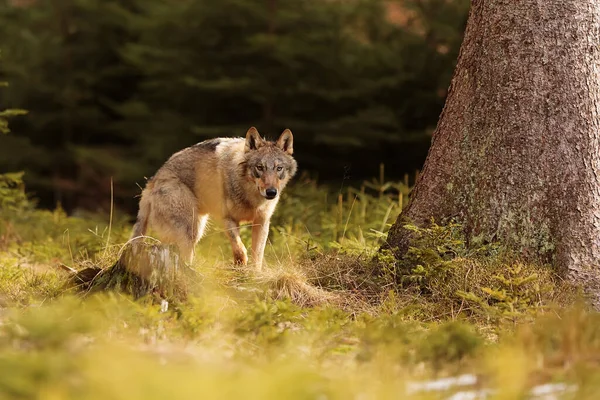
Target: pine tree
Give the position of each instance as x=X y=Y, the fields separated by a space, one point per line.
x=63 y=65
x=115 y=86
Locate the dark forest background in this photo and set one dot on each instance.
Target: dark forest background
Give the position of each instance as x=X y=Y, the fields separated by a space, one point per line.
x=114 y=87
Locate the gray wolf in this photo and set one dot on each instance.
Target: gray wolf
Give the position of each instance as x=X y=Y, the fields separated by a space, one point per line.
x=230 y=179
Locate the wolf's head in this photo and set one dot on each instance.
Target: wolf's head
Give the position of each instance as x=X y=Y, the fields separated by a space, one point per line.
x=270 y=165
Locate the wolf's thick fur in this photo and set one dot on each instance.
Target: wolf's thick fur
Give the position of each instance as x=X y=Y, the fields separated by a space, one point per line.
x=230 y=179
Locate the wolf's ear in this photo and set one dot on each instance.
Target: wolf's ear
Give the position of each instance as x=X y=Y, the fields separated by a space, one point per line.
x=286 y=142
x=253 y=139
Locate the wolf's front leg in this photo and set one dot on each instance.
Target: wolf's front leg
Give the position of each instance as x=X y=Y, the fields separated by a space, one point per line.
x=260 y=232
x=240 y=255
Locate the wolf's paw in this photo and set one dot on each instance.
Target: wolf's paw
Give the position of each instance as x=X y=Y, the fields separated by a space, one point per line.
x=240 y=257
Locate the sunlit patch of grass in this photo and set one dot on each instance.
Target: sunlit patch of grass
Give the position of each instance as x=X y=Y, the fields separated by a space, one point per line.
x=23 y=283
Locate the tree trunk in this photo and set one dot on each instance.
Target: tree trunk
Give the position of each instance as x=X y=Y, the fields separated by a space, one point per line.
x=515 y=156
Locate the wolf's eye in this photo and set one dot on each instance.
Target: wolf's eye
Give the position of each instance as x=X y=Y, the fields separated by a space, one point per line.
x=259 y=167
x=279 y=168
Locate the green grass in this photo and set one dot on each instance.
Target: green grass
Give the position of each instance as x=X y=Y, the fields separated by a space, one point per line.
x=329 y=318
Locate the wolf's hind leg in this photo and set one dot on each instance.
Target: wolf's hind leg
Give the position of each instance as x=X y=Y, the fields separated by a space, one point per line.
x=175 y=217
x=186 y=251
x=186 y=244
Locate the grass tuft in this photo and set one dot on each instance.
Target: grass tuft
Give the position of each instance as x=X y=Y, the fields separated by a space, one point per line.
x=291 y=283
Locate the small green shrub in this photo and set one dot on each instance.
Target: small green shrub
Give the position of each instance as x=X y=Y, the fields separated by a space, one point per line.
x=267 y=321
x=389 y=336
x=435 y=252
x=450 y=342
x=475 y=279
x=514 y=293
x=194 y=317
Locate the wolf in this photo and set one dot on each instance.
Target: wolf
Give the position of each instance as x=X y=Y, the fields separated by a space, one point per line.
x=232 y=180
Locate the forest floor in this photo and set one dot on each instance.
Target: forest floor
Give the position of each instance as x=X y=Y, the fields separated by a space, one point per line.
x=328 y=317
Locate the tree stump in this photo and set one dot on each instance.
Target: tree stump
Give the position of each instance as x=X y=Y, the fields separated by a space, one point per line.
x=142 y=269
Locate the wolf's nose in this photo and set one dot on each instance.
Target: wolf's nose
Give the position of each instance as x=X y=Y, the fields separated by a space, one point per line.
x=271 y=193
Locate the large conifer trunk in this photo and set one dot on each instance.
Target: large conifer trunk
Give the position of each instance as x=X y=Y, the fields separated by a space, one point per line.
x=515 y=155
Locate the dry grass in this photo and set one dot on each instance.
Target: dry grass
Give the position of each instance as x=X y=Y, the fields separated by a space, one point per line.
x=291 y=282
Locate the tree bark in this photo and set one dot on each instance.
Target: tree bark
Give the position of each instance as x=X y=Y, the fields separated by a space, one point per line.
x=516 y=153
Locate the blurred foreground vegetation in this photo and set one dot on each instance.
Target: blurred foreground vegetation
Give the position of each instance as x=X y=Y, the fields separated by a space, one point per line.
x=328 y=318
x=114 y=87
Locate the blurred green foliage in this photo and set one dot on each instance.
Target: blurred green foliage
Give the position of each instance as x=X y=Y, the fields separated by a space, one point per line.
x=6 y=114
x=114 y=87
